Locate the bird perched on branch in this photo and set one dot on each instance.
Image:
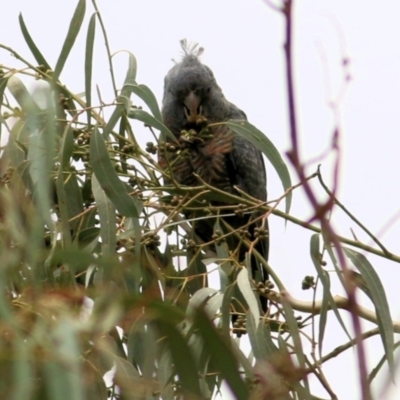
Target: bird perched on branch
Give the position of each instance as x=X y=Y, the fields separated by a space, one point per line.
x=214 y=154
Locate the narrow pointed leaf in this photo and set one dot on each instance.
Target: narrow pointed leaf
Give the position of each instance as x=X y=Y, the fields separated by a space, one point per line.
x=225 y=310
x=332 y=256
x=182 y=357
x=222 y=355
x=295 y=334
x=107 y=217
x=247 y=291
x=255 y=136
x=148 y=119
x=21 y=94
x=66 y=149
x=108 y=178
x=73 y=31
x=3 y=85
x=164 y=374
x=130 y=78
x=324 y=277
x=64 y=379
x=32 y=46
x=148 y=97
x=258 y=350
x=265 y=340
x=89 y=63
x=377 y=295
x=115 y=116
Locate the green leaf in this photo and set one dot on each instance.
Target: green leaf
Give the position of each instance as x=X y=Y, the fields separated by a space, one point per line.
x=380 y=364
x=258 y=350
x=329 y=249
x=130 y=78
x=3 y=85
x=222 y=356
x=197 y=272
x=73 y=31
x=67 y=145
x=89 y=64
x=255 y=136
x=295 y=334
x=21 y=94
x=148 y=97
x=22 y=384
x=64 y=379
x=164 y=374
x=74 y=200
x=77 y=260
x=376 y=293
x=18 y=143
x=108 y=220
x=213 y=305
x=225 y=310
x=108 y=178
x=327 y=295
x=87 y=236
x=128 y=377
x=244 y=285
x=41 y=154
x=185 y=366
x=32 y=46
x=115 y=116
x=148 y=119
x=265 y=340
x=200 y=298
x=136 y=345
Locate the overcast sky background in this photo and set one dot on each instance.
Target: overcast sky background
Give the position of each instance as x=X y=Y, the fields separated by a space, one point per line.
x=243 y=43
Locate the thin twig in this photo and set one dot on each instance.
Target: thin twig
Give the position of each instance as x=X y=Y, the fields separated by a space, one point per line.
x=341 y=205
x=321 y=209
x=109 y=55
x=316 y=307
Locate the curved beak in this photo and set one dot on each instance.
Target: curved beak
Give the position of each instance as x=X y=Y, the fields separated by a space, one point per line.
x=192 y=107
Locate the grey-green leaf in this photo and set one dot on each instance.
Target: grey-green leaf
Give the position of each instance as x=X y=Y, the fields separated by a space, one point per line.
x=377 y=295
x=324 y=277
x=89 y=63
x=222 y=355
x=294 y=332
x=130 y=78
x=329 y=249
x=183 y=359
x=247 y=291
x=73 y=31
x=259 y=351
x=148 y=97
x=107 y=219
x=255 y=136
x=108 y=178
x=32 y=46
x=148 y=119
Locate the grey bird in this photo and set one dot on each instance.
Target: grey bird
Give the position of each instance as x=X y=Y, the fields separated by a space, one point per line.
x=223 y=159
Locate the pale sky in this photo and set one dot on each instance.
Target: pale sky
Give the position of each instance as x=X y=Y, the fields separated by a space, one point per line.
x=243 y=43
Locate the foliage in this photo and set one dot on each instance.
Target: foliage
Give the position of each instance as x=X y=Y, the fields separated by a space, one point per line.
x=100 y=271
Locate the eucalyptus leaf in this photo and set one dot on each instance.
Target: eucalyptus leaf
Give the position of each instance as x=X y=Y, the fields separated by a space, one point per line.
x=377 y=294
x=89 y=64
x=74 y=27
x=108 y=178
x=244 y=285
x=255 y=136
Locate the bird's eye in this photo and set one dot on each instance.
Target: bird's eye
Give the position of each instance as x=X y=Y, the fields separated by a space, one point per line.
x=208 y=90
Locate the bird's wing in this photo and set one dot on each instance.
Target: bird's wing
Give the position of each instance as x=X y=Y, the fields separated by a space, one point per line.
x=247 y=168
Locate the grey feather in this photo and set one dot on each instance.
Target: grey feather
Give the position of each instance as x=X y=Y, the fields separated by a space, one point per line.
x=225 y=160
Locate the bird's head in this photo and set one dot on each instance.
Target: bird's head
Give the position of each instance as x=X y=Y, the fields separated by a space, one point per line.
x=192 y=93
